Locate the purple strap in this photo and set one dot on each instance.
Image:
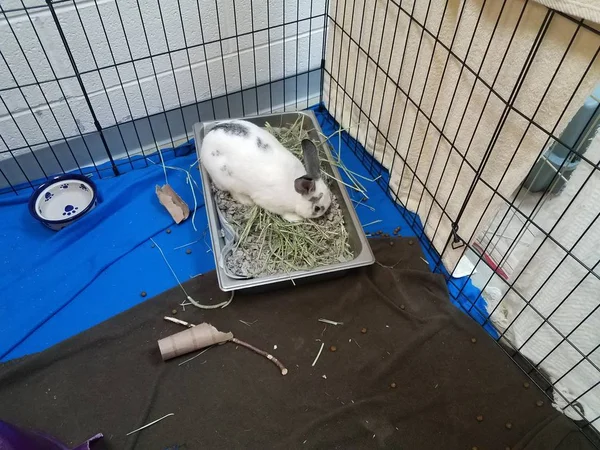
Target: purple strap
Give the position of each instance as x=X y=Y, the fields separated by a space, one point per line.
x=14 y=438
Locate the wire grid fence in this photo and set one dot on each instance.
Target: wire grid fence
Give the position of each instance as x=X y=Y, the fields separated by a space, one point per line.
x=97 y=86
x=411 y=60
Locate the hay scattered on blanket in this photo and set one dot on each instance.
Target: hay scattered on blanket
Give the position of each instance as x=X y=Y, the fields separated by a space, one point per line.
x=270 y=245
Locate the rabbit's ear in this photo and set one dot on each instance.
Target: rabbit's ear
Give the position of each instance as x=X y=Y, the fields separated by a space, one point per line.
x=311 y=159
x=304 y=185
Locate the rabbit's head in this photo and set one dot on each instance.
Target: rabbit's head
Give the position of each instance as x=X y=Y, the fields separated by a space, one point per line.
x=315 y=196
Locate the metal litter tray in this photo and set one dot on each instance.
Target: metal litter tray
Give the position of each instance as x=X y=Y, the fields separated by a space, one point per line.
x=221 y=233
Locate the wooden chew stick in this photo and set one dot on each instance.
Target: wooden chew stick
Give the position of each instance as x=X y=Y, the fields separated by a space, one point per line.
x=270 y=357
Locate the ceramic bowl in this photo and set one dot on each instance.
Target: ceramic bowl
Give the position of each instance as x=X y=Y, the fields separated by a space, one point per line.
x=63 y=200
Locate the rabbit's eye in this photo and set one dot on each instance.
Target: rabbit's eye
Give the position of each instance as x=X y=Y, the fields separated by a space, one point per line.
x=317 y=209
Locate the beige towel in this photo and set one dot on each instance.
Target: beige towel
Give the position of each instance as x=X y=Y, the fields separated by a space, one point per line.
x=361 y=92
x=585 y=9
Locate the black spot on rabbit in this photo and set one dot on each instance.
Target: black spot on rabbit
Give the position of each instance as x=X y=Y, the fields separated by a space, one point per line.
x=317 y=209
x=226 y=169
x=261 y=144
x=316 y=199
x=236 y=129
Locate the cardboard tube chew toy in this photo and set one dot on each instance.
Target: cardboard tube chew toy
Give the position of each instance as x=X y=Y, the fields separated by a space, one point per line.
x=195 y=338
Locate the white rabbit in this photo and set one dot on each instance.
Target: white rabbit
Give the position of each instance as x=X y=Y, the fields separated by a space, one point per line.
x=249 y=163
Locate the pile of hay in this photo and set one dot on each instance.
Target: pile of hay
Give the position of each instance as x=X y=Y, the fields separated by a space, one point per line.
x=268 y=244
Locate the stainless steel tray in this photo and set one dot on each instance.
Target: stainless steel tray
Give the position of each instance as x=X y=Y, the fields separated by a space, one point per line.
x=218 y=231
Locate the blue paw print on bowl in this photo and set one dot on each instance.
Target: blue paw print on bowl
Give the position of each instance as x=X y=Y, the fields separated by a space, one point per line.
x=70 y=210
x=48 y=196
x=64 y=186
x=83 y=187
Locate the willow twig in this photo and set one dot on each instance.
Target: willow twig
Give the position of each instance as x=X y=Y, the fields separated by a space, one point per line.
x=270 y=357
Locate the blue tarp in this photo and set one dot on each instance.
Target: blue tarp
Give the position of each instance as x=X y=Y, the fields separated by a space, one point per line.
x=55 y=285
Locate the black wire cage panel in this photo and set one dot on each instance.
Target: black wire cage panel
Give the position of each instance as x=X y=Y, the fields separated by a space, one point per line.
x=480 y=115
x=96 y=86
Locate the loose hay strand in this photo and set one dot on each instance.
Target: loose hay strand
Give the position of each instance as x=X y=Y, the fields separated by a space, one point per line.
x=318 y=354
x=149 y=424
